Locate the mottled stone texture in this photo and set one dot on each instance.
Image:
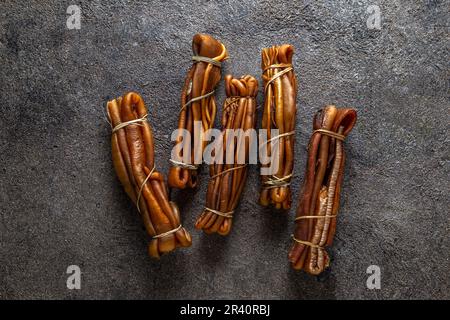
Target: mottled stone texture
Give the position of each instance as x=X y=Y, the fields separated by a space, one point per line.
x=61 y=203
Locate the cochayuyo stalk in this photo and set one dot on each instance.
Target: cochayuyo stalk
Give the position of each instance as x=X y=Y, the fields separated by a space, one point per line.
x=133 y=158
x=198 y=104
x=319 y=199
x=280 y=90
x=227 y=180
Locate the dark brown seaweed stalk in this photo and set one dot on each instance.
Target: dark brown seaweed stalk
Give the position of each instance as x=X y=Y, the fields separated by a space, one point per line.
x=198 y=104
x=280 y=94
x=227 y=180
x=133 y=159
x=319 y=199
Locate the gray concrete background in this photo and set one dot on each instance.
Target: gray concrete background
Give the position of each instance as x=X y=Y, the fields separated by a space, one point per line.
x=61 y=203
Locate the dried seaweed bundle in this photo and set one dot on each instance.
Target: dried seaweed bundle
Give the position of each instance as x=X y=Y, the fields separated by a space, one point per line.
x=197 y=105
x=133 y=158
x=319 y=199
x=280 y=90
x=227 y=180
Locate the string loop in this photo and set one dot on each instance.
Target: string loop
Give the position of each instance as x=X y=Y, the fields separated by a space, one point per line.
x=330 y=134
x=307 y=243
x=142 y=187
x=228 y=170
x=286 y=68
x=276 y=182
x=228 y=214
x=183 y=165
x=187 y=104
x=161 y=235
x=290 y=133
x=127 y=123
x=207 y=60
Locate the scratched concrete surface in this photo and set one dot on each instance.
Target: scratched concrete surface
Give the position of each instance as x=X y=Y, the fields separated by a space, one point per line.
x=61 y=203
